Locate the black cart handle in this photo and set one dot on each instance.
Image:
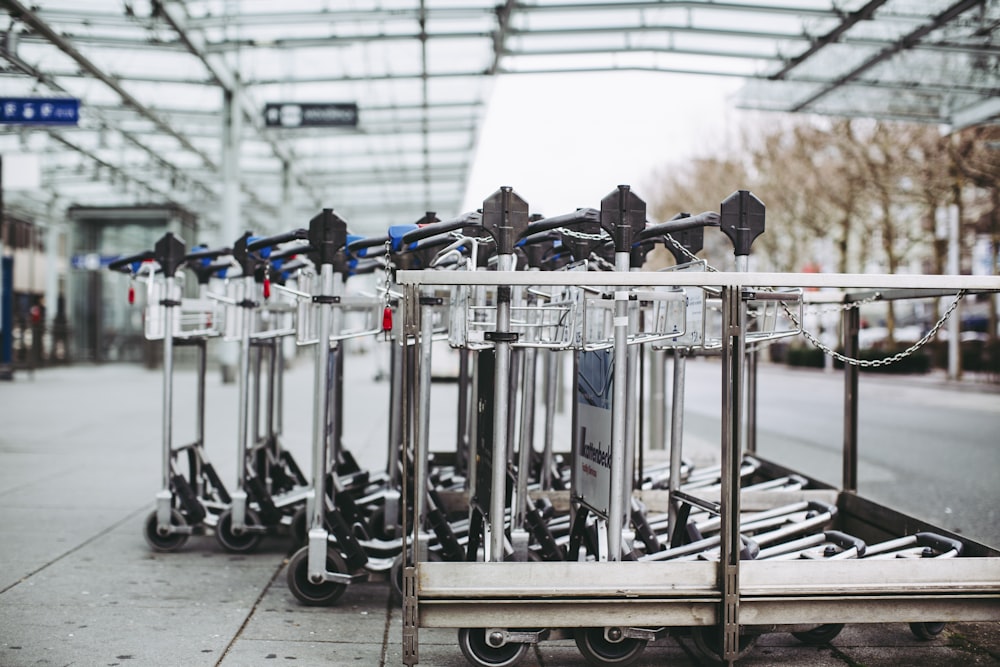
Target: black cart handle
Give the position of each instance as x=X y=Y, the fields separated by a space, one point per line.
x=442 y=227
x=277 y=239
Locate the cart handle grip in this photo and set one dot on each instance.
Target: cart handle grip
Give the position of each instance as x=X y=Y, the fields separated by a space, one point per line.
x=359 y=247
x=704 y=219
x=577 y=217
x=291 y=251
x=205 y=255
x=443 y=227
x=123 y=263
x=268 y=241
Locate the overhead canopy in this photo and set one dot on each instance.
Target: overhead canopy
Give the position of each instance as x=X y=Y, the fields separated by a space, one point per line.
x=170 y=90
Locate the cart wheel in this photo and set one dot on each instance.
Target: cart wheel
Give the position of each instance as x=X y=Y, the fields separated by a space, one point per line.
x=169 y=541
x=599 y=650
x=821 y=634
x=706 y=642
x=927 y=631
x=309 y=592
x=299 y=529
x=477 y=651
x=245 y=541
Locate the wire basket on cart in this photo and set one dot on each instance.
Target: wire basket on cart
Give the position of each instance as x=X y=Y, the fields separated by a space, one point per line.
x=541 y=317
x=193 y=318
x=657 y=314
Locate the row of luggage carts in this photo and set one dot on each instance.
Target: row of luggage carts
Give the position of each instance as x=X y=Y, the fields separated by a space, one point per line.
x=513 y=534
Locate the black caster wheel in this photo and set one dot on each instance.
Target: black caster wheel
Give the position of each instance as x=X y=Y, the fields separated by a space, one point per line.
x=299 y=529
x=164 y=541
x=475 y=647
x=821 y=634
x=244 y=542
x=926 y=631
x=305 y=589
x=708 y=646
x=599 y=650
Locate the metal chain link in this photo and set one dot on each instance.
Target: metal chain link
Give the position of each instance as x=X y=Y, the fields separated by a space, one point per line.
x=841 y=307
x=876 y=363
x=863 y=363
x=566 y=231
x=826 y=309
x=688 y=253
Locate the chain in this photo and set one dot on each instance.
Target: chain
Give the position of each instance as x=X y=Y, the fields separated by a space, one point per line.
x=690 y=255
x=566 y=231
x=864 y=363
x=838 y=308
x=876 y=363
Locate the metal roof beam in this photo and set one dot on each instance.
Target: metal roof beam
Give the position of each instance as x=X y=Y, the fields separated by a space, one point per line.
x=503 y=13
x=30 y=19
x=851 y=20
x=338 y=16
x=567 y=7
x=326 y=78
x=531 y=53
x=904 y=43
x=230 y=82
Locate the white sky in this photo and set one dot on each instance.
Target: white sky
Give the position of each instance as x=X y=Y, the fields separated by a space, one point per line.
x=565 y=141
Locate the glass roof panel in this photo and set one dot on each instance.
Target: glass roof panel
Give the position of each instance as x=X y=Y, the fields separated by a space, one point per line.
x=153 y=78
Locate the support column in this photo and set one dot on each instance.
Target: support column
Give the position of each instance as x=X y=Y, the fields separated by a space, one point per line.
x=231 y=225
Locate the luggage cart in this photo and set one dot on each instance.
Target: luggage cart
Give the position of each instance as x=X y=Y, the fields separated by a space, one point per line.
x=333 y=556
x=270 y=486
x=188 y=503
x=725 y=596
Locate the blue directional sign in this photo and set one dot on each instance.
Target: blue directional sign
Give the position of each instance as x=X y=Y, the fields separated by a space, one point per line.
x=39 y=110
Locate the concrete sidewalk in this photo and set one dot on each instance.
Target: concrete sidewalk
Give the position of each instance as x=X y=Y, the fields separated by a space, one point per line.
x=79 y=464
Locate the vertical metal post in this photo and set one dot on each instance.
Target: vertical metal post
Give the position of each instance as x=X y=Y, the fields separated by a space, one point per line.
x=519 y=536
x=425 y=346
x=550 y=365
x=169 y=289
x=246 y=315
x=232 y=120
x=257 y=350
x=336 y=378
x=51 y=276
x=852 y=325
x=751 y=405
x=462 y=423
x=619 y=421
x=320 y=407
x=200 y=410
x=414 y=387
x=656 y=400
x=396 y=403
x=632 y=426
x=676 y=436
x=733 y=352
x=411 y=561
x=954 y=268
x=501 y=406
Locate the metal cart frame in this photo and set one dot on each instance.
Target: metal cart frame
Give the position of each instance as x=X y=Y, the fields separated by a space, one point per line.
x=728 y=593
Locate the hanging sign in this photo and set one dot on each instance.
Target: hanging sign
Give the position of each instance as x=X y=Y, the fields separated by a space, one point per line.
x=39 y=111
x=287 y=114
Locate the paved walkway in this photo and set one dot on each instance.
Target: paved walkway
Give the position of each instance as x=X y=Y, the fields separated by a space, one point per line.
x=79 y=453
